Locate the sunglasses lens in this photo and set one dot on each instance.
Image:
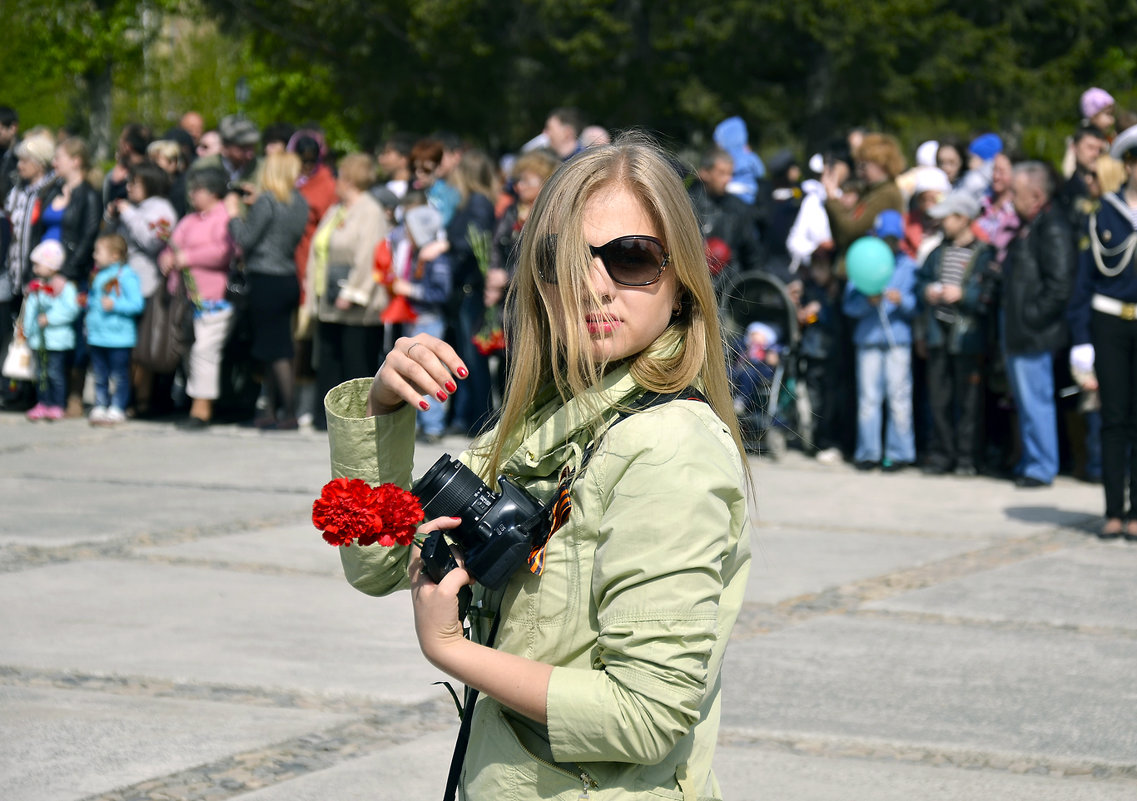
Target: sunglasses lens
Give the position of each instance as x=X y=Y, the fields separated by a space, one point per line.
x=633 y=260
x=630 y=260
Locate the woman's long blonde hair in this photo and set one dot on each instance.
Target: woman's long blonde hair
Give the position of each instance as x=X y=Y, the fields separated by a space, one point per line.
x=279 y=176
x=689 y=352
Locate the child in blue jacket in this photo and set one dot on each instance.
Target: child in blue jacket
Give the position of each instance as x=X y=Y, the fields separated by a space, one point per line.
x=882 y=334
x=51 y=307
x=113 y=305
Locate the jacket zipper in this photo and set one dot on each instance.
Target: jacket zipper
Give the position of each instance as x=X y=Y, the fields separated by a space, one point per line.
x=583 y=777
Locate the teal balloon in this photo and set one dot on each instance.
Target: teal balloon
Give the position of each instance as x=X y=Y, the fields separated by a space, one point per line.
x=869 y=263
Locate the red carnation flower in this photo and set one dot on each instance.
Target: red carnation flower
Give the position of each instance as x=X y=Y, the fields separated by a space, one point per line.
x=350 y=510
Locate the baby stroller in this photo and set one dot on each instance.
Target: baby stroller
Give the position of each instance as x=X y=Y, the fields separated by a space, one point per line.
x=768 y=411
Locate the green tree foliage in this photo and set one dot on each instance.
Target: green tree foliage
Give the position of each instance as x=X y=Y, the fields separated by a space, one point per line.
x=66 y=54
x=798 y=71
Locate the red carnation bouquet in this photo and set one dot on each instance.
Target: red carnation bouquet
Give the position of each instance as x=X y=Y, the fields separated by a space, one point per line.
x=351 y=510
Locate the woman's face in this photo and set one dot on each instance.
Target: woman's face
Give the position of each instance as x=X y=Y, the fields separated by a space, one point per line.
x=1001 y=174
x=135 y=191
x=202 y=199
x=629 y=318
x=66 y=166
x=872 y=172
x=167 y=164
x=528 y=186
x=29 y=169
x=949 y=160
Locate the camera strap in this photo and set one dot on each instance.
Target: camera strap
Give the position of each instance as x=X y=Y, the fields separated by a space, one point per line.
x=560 y=507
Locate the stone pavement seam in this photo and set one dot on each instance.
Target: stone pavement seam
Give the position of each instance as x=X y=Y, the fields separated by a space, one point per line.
x=14 y=558
x=251 y=770
x=176 y=485
x=931 y=755
x=932 y=618
x=278 y=698
x=757 y=619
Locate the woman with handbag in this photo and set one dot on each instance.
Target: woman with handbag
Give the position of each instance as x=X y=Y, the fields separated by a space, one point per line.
x=598 y=667
x=146 y=219
x=199 y=254
x=267 y=236
x=342 y=294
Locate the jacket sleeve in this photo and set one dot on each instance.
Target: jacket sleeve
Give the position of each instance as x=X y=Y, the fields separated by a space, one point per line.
x=972 y=301
x=905 y=282
x=90 y=216
x=436 y=282
x=378 y=450
x=1079 y=312
x=855 y=304
x=66 y=309
x=1055 y=253
x=249 y=232
x=149 y=232
x=848 y=226
x=206 y=247
x=130 y=302
x=368 y=229
x=669 y=524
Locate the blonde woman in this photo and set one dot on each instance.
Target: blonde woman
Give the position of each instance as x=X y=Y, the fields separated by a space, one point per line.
x=267 y=235
x=598 y=677
x=341 y=292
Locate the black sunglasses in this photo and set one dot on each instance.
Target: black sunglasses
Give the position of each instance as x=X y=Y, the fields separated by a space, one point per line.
x=634 y=260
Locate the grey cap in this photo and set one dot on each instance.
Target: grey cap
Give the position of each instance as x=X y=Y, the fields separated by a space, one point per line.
x=424 y=224
x=237 y=130
x=1125 y=142
x=956 y=202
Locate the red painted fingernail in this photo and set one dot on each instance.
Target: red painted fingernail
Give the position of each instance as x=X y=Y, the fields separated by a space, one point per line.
x=441 y=395
x=463 y=372
x=455 y=518
x=423 y=405
x=451 y=386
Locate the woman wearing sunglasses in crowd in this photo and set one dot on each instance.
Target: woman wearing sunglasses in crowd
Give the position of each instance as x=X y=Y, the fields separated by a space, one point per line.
x=602 y=677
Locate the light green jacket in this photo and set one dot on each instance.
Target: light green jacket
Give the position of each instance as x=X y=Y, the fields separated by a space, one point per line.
x=640 y=591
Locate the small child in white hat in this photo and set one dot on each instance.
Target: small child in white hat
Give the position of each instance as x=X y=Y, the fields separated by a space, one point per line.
x=50 y=311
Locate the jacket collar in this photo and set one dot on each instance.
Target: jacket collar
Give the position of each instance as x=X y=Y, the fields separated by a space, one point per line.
x=556 y=435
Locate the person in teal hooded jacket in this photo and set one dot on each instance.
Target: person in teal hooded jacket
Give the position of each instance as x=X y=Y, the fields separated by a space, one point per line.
x=113 y=306
x=598 y=674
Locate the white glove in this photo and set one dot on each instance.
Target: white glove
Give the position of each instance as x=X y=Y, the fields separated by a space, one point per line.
x=1082 y=358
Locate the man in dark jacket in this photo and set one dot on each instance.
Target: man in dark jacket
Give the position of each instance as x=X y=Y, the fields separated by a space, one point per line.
x=727 y=222
x=1037 y=281
x=9 y=138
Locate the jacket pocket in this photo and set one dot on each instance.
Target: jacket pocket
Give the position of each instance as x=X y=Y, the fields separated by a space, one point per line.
x=558 y=587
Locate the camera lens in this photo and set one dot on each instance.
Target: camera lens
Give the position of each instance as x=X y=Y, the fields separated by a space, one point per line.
x=450 y=489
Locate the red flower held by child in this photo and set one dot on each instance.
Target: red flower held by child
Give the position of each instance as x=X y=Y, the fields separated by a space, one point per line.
x=351 y=510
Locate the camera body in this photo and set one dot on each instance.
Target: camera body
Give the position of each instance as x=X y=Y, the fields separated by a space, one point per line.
x=497 y=532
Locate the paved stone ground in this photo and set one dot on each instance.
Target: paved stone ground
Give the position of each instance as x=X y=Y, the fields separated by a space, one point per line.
x=173 y=628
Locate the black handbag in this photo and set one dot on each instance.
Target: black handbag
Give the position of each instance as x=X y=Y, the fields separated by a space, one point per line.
x=165 y=330
x=336 y=276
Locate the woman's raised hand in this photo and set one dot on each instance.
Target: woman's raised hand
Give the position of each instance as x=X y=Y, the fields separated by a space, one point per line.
x=417 y=366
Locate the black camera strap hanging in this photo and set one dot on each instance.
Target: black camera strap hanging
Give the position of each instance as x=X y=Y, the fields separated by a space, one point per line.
x=561 y=505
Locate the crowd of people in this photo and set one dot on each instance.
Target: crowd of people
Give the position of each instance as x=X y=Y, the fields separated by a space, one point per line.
x=976 y=355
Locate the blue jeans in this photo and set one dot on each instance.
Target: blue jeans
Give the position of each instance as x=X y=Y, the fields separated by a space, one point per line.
x=884 y=372
x=473 y=403
x=433 y=420
x=52 y=384
x=1031 y=376
x=111 y=365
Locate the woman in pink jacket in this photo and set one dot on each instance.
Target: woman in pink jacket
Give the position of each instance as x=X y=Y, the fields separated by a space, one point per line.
x=200 y=252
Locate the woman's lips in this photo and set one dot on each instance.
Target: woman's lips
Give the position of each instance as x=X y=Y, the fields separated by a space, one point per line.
x=599 y=324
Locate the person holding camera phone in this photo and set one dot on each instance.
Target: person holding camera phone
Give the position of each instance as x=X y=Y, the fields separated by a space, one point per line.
x=598 y=667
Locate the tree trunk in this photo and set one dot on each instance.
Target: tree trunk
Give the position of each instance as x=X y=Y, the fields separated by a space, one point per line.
x=99 y=85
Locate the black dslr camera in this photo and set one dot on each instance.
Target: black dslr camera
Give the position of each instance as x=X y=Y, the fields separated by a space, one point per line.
x=497 y=532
